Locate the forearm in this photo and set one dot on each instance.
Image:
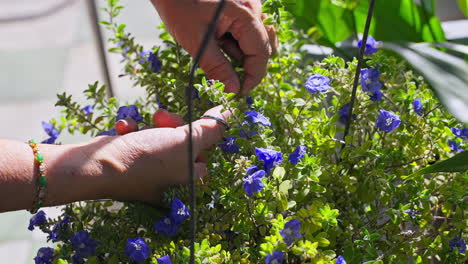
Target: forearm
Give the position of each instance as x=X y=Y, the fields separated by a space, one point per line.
x=73 y=172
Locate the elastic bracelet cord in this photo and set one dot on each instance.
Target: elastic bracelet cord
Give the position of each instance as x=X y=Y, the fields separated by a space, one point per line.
x=38 y=201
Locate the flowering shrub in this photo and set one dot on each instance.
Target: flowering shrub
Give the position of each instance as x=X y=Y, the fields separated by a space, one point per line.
x=284 y=186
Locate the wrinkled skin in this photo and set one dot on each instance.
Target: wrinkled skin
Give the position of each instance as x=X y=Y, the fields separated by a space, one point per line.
x=248 y=39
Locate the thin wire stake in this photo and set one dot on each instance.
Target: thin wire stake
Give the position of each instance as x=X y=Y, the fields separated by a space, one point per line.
x=358 y=71
x=189 y=96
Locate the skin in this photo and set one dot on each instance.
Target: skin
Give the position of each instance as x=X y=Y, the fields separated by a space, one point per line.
x=136 y=166
x=252 y=43
x=140 y=165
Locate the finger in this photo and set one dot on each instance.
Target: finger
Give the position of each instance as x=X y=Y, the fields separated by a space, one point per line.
x=217 y=67
x=255 y=45
x=201 y=158
x=273 y=38
x=125 y=126
x=207 y=132
x=163 y=118
x=201 y=171
x=231 y=47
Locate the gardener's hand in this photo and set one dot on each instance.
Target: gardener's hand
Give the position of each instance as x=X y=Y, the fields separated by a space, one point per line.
x=150 y=160
x=252 y=42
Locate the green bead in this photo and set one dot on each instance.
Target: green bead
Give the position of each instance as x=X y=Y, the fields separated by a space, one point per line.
x=38 y=205
x=42 y=181
x=33 y=141
x=39 y=157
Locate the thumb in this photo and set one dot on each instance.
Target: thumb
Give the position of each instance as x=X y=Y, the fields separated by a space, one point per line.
x=207 y=131
x=217 y=67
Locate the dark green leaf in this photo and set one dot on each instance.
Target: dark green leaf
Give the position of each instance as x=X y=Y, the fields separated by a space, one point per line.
x=334 y=22
x=447 y=75
x=458 y=163
x=463 y=4
x=413 y=22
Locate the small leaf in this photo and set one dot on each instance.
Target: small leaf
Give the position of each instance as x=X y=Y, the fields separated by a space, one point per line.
x=285 y=186
x=279 y=173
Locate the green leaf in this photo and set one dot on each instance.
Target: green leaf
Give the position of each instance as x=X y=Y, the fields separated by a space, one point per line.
x=447 y=75
x=458 y=163
x=279 y=173
x=414 y=22
x=92 y=260
x=463 y=4
x=285 y=186
x=61 y=261
x=335 y=23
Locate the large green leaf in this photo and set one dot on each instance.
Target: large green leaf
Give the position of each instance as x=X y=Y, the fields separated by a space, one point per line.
x=447 y=75
x=395 y=20
x=334 y=22
x=463 y=4
x=401 y=20
x=458 y=163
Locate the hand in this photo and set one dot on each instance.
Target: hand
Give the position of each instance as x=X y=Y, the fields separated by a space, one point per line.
x=151 y=160
x=252 y=43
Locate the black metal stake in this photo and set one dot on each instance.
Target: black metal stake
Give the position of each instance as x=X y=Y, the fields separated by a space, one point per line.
x=189 y=96
x=358 y=71
x=100 y=46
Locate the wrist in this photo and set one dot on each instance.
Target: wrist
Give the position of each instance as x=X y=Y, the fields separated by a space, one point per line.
x=76 y=172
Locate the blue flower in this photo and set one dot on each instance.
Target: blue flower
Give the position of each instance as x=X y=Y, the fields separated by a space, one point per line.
x=130 y=111
x=58 y=228
x=166 y=227
x=371 y=45
x=252 y=169
x=51 y=132
x=340 y=260
x=256 y=117
x=458 y=243
x=274 y=258
x=83 y=244
x=229 y=145
x=317 y=83
x=148 y=56
x=343 y=113
x=375 y=96
x=137 y=249
x=253 y=182
x=77 y=259
x=291 y=231
x=164 y=260
x=110 y=132
x=370 y=80
x=270 y=158
x=37 y=220
x=155 y=62
x=249 y=100
x=160 y=104
x=44 y=256
x=245 y=134
x=179 y=211
x=124 y=49
x=298 y=154
x=461 y=133
x=417 y=105
x=454 y=146
x=87 y=109
x=387 y=121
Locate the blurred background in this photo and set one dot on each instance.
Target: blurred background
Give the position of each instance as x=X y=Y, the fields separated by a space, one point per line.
x=50 y=46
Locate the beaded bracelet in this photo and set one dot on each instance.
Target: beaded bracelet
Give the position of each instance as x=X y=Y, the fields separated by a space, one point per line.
x=42 y=181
